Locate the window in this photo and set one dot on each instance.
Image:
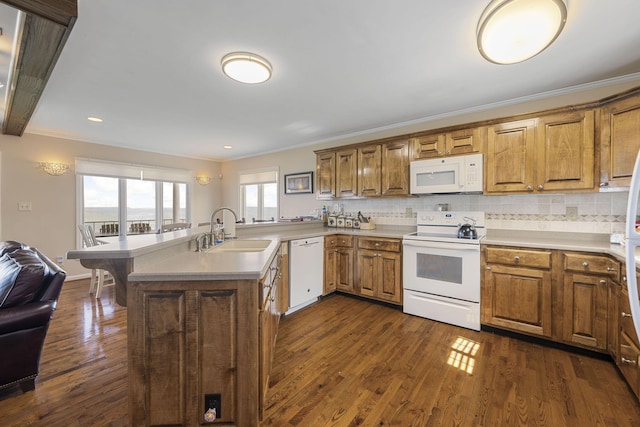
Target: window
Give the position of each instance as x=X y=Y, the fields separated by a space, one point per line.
x=120 y=199
x=259 y=195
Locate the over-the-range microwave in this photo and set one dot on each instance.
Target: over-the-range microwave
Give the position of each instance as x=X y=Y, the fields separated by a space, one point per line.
x=458 y=174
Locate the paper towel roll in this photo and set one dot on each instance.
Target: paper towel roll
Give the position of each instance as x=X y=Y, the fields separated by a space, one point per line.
x=229 y=224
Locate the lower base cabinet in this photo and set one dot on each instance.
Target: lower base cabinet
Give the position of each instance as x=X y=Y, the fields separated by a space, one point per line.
x=516 y=290
x=188 y=338
x=629 y=353
x=366 y=266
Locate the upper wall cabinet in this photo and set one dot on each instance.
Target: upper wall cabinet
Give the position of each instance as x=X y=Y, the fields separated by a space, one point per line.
x=464 y=141
x=326 y=175
x=373 y=170
x=395 y=168
x=620 y=141
x=346 y=173
x=552 y=153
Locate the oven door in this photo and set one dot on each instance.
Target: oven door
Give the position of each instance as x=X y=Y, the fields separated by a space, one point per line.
x=442 y=268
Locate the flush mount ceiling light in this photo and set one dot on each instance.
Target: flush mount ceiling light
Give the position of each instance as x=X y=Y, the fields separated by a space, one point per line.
x=94 y=119
x=246 y=67
x=511 y=31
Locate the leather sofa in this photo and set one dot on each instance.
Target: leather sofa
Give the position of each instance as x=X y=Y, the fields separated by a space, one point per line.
x=30 y=284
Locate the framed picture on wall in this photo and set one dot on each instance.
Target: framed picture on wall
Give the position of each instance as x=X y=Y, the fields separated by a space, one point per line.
x=298 y=183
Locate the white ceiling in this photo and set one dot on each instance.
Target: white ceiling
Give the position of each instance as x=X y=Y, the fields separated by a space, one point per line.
x=150 y=69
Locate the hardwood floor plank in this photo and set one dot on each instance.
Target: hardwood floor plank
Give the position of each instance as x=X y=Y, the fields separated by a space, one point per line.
x=340 y=362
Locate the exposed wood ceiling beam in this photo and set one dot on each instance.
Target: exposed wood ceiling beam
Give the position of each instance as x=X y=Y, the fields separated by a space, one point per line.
x=43 y=34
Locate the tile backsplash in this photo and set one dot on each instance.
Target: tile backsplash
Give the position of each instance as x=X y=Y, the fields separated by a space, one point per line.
x=581 y=212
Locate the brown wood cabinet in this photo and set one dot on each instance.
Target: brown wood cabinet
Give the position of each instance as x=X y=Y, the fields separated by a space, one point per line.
x=182 y=345
x=551 y=153
x=463 y=141
x=369 y=170
x=620 y=141
x=268 y=324
x=395 y=168
x=629 y=357
x=347 y=173
x=283 y=286
x=188 y=338
x=326 y=175
x=339 y=264
x=379 y=269
x=516 y=293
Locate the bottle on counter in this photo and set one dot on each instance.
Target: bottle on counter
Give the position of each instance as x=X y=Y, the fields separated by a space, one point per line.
x=325 y=216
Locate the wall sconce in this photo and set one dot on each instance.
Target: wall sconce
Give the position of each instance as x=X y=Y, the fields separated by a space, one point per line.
x=53 y=168
x=203 y=179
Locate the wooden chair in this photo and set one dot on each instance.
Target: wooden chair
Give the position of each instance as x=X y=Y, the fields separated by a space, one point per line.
x=89 y=240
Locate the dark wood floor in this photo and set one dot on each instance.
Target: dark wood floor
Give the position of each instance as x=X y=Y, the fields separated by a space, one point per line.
x=341 y=362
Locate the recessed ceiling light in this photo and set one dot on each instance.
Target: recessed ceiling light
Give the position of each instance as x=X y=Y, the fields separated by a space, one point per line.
x=94 y=119
x=511 y=31
x=246 y=67
x=227 y=147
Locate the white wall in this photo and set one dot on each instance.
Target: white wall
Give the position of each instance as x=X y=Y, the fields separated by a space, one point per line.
x=51 y=225
x=289 y=161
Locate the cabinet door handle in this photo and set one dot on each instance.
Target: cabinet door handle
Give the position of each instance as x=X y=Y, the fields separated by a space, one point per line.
x=529 y=188
x=487 y=268
x=516 y=258
x=604 y=184
x=624 y=278
x=585 y=264
x=626 y=314
x=377 y=244
x=610 y=268
x=629 y=361
x=540 y=187
x=602 y=282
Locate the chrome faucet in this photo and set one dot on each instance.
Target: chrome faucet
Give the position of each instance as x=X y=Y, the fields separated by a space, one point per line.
x=235 y=217
x=203 y=241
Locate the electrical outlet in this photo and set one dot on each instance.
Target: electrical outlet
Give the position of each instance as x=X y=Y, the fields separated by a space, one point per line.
x=60 y=260
x=213 y=401
x=24 y=206
x=408 y=213
x=572 y=213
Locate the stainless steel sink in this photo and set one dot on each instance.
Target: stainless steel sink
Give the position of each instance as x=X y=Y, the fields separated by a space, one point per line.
x=241 y=245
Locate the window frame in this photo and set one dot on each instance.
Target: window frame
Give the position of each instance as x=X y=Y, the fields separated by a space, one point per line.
x=259 y=177
x=123 y=172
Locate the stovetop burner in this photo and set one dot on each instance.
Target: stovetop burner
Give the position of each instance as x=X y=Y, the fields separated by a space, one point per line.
x=443 y=226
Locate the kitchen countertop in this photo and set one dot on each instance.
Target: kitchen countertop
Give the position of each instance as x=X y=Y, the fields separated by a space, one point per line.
x=190 y=265
x=241 y=265
x=208 y=265
x=584 y=242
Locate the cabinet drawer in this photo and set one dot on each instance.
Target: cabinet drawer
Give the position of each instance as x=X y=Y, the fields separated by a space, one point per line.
x=628 y=364
x=626 y=322
x=594 y=264
x=338 y=241
x=379 y=244
x=523 y=257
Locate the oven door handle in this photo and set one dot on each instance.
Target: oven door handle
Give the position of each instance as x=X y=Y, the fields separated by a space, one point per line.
x=441 y=245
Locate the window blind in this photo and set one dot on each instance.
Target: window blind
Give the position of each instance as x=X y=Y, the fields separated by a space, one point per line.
x=261 y=176
x=95 y=167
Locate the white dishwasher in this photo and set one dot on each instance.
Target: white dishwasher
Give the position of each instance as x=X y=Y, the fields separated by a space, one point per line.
x=306 y=272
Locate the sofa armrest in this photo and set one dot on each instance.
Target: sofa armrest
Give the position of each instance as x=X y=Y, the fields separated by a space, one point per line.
x=26 y=316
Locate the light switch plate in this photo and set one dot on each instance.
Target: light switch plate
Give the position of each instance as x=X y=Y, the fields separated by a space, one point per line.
x=572 y=212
